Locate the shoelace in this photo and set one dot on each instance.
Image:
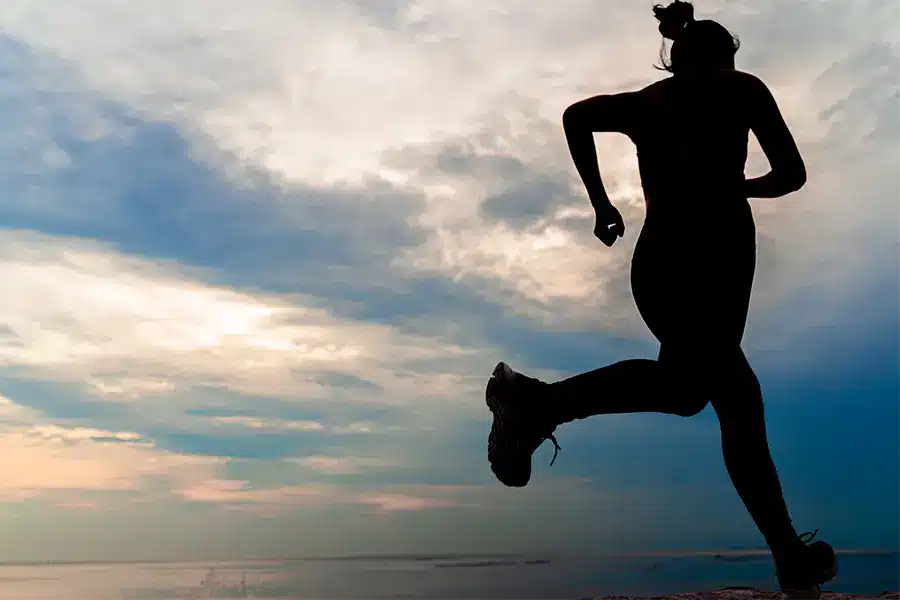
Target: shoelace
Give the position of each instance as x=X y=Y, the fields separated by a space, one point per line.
x=808 y=536
x=556 y=448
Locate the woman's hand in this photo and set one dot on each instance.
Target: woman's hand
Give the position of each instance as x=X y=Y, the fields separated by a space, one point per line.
x=609 y=224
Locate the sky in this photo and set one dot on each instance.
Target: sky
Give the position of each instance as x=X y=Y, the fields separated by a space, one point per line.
x=260 y=258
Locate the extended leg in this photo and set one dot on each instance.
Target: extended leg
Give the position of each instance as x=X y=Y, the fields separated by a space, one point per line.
x=682 y=382
x=738 y=403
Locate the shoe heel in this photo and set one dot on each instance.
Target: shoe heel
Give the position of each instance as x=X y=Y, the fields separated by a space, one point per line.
x=832 y=573
x=813 y=593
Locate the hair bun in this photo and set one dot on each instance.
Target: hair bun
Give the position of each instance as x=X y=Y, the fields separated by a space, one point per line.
x=673 y=18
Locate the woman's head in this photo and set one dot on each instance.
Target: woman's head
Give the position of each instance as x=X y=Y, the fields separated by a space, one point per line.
x=698 y=46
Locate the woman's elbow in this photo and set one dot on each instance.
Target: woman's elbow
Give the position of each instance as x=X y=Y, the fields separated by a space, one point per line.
x=799 y=179
x=792 y=175
x=572 y=116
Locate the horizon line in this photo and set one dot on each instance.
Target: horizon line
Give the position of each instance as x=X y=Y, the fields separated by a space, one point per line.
x=435 y=556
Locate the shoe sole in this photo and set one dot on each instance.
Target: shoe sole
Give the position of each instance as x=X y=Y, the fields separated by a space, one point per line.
x=501 y=371
x=814 y=592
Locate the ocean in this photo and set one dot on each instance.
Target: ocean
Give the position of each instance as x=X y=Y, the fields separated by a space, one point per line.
x=422 y=578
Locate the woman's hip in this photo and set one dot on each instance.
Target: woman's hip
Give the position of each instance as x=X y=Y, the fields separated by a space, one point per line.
x=702 y=289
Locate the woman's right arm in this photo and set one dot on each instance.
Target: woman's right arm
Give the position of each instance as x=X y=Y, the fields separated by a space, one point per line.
x=788 y=173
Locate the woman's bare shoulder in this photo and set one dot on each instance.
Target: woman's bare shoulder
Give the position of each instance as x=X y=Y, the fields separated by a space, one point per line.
x=748 y=81
x=656 y=87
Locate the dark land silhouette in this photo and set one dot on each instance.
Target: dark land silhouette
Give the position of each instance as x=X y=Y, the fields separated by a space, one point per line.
x=691 y=276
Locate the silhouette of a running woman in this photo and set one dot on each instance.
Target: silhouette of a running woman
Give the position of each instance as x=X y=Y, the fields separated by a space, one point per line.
x=691 y=278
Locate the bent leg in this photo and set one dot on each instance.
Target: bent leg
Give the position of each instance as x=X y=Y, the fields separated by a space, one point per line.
x=628 y=386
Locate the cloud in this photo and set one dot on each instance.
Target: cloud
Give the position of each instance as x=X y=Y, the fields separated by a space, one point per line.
x=340 y=465
x=485 y=143
x=54 y=433
x=15 y=414
x=278 y=425
x=358 y=427
x=388 y=503
x=129 y=327
x=53 y=460
x=507 y=239
x=63 y=463
x=234 y=494
x=300 y=69
x=221 y=491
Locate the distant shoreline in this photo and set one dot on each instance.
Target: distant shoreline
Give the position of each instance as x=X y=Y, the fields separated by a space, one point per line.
x=443 y=557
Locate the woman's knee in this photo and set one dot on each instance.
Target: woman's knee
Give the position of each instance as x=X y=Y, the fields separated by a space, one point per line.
x=741 y=405
x=692 y=405
x=686 y=389
x=698 y=376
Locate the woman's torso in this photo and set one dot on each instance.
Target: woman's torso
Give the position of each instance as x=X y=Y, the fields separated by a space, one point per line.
x=692 y=149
